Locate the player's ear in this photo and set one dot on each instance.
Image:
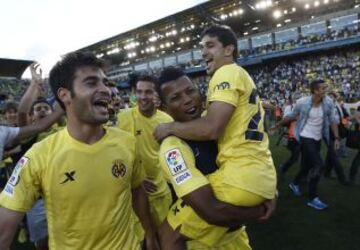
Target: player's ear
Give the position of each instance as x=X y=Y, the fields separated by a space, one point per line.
x=64 y=95
x=229 y=49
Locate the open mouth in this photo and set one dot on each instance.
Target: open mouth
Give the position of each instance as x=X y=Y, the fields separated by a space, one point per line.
x=191 y=111
x=102 y=105
x=208 y=63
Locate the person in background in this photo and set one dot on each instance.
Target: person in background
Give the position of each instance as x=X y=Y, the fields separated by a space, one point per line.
x=356 y=161
x=315 y=116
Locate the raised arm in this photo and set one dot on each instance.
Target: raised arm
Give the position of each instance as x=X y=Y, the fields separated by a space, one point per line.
x=31 y=94
x=209 y=127
x=9 y=221
x=43 y=124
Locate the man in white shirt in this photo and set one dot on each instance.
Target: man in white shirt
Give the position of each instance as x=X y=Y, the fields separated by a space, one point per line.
x=315 y=115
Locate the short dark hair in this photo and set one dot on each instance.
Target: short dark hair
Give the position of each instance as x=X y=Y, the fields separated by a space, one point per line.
x=63 y=73
x=146 y=78
x=168 y=74
x=224 y=34
x=314 y=85
x=10 y=105
x=39 y=100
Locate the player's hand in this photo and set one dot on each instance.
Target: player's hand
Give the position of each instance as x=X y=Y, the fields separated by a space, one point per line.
x=270 y=207
x=336 y=144
x=149 y=186
x=36 y=74
x=162 y=131
x=152 y=242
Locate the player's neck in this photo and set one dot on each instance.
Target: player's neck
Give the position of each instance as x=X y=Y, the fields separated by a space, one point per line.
x=86 y=133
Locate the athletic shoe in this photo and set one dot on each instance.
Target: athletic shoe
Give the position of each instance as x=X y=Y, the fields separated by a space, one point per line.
x=295 y=189
x=317 y=204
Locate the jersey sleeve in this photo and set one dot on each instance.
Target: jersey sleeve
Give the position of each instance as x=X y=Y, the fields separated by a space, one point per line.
x=178 y=163
x=24 y=185
x=225 y=87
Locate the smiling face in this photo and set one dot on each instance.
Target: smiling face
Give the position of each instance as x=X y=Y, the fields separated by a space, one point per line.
x=215 y=54
x=181 y=99
x=89 y=102
x=145 y=96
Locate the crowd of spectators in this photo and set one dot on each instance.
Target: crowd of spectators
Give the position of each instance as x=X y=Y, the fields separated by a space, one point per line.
x=301 y=41
x=276 y=80
x=12 y=89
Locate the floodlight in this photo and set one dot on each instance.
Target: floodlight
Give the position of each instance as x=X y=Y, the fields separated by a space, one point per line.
x=153 y=39
x=277 y=14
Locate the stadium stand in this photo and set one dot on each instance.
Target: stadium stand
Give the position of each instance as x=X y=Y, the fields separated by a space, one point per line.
x=266 y=30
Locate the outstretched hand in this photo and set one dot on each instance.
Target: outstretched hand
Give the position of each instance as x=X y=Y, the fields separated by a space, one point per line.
x=36 y=74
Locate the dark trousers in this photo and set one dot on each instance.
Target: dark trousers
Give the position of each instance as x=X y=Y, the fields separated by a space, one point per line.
x=333 y=162
x=355 y=166
x=311 y=164
x=294 y=148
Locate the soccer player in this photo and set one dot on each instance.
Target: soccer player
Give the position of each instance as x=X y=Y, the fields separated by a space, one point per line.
x=141 y=121
x=185 y=163
x=87 y=178
x=234 y=118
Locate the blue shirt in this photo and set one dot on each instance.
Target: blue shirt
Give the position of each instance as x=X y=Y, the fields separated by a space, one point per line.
x=301 y=113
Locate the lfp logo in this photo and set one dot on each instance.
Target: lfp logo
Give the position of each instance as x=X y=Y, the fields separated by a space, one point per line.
x=173 y=158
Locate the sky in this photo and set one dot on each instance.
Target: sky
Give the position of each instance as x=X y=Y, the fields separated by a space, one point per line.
x=43 y=30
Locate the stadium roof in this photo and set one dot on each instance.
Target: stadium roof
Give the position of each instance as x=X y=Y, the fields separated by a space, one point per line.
x=13 y=67
x=181 y=30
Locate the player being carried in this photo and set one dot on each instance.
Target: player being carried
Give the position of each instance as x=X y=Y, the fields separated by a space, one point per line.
x=246 y=174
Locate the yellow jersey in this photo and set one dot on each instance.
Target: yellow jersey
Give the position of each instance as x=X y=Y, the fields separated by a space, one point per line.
x=178 y=163
x=143 y=128
x=86 y=188
x=244 y=143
